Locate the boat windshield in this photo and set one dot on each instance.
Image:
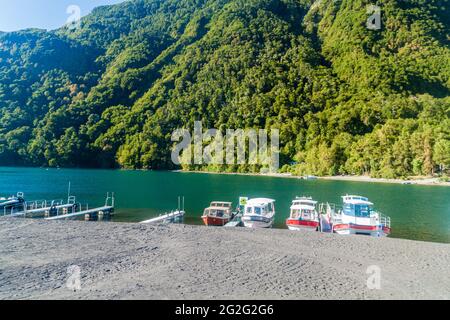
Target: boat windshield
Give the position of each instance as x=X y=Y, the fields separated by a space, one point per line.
x=254 y=210
x=357 y=210
x=216 y=213
x=302 y=214
x=220 y=213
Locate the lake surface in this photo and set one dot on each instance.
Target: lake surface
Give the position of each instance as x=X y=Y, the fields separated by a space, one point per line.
x=417 y=212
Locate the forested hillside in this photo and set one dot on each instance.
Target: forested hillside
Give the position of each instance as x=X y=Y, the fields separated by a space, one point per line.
x=346 y=99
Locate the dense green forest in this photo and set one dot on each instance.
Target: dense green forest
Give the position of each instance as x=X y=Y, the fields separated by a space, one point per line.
x=346 y=99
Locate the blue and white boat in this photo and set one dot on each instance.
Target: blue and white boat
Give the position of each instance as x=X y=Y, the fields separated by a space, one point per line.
x=259 y=213
x=358 y=217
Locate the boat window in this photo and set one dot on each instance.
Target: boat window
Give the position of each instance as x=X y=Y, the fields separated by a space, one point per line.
x=349 y=209
x=258 y=210
x=362 y=211
x=359 y=210
x=249 y=209
x=306 y=213
x=270 y=207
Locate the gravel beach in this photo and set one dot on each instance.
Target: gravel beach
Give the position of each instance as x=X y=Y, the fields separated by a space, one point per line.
x=133 y=261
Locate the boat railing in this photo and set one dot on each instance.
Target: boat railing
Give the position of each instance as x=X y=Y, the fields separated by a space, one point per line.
x=326 y=208
x=385 y=221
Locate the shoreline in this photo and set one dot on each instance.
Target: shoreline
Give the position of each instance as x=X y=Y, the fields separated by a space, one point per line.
x=419 y=181
x=422 y=181
x=135 y=261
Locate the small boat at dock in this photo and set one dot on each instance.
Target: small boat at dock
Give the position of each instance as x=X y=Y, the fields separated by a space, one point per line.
x=303 y=215
x=259 y=213
x=358 y=217
x=8 y=205
x=217 y=214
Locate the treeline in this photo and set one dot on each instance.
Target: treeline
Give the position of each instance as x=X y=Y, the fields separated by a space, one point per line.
x=346 y=99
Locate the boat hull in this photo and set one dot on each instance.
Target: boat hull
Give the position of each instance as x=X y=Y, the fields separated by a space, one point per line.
x=215 y=221
x=295 y=224
x=257 y=222
x=374 y=231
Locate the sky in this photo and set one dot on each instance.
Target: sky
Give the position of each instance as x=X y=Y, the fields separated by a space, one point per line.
x=44 y=14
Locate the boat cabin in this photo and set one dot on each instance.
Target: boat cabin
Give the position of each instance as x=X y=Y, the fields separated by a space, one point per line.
x=356 y=206
x=304 y=208
x=260 y=207
x=218 y=209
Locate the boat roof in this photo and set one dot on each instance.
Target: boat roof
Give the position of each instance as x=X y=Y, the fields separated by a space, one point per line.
x=259 y=201
x=304 y=200
x=356 y=200
x=221 y=202
x=218 y=208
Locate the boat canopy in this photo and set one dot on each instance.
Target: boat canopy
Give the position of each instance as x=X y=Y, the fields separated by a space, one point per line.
x=259 y=206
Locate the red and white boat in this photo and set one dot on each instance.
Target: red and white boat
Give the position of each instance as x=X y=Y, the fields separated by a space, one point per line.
x=304 y=215
x=217 y=214
x=358 y=217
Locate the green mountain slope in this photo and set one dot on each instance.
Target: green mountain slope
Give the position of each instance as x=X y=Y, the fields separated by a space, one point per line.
x=346 y=99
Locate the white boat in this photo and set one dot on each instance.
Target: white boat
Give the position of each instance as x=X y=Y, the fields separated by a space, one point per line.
x=358 y=217
x=11 y=203
x=259 y=213
x=303 y=215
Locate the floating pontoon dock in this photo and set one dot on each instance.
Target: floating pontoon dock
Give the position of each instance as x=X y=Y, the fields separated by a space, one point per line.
x=167 y=218
x=102 y=210
x=90 y=214
x=44 y=209
x=235 y=222
x=171 y=217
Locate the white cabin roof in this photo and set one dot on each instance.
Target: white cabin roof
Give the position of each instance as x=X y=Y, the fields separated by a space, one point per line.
x=259 y=201
x=306 y=202
x=302 y=207
x=218 y=208
x=356 y=200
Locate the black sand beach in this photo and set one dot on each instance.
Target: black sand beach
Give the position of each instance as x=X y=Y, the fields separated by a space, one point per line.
x=132 y=261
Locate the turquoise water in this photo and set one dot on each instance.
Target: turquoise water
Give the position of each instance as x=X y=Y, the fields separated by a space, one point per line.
x=417 y=212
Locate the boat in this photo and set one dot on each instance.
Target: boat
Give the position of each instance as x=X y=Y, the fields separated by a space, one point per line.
x=7 y=205
x=358 y=217
x=259 y=213
x=217 y=214
x=303 y=215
